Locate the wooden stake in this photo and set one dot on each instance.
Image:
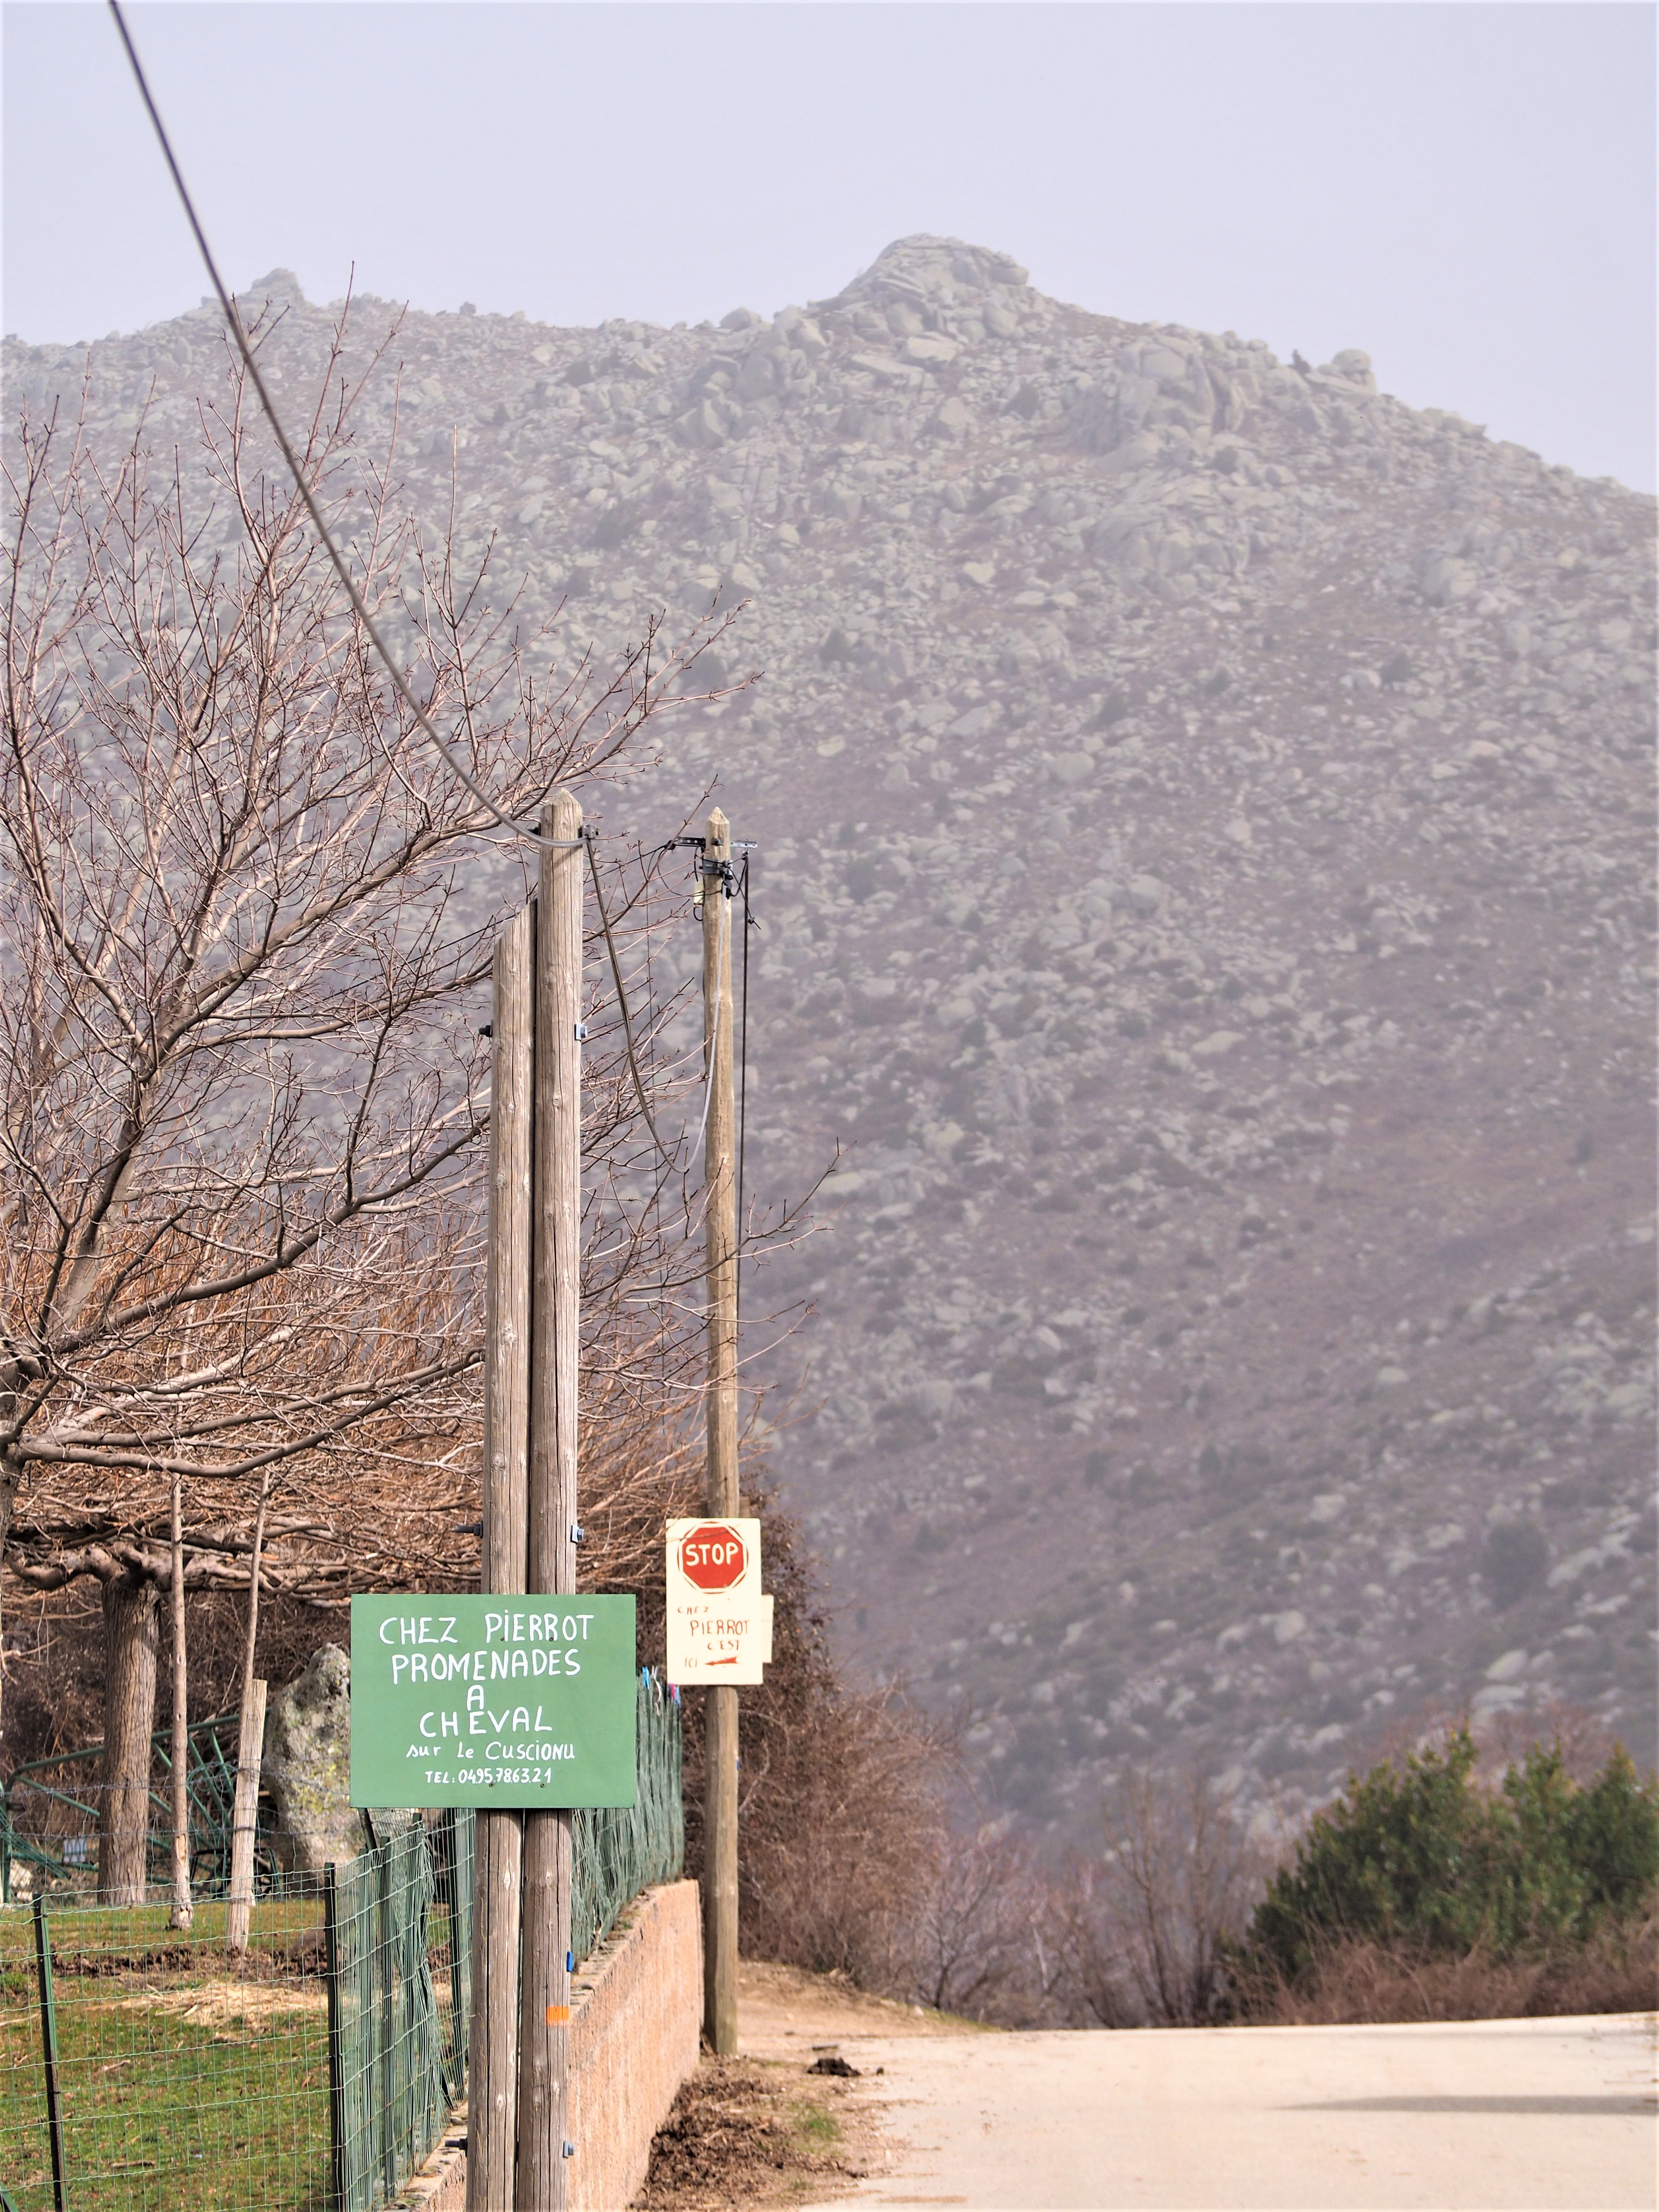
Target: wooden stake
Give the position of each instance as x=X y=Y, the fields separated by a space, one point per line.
x=719 y=1195
x=556 y=1285
x=250 y=1745
x=245 y=1817
x=498 y=1839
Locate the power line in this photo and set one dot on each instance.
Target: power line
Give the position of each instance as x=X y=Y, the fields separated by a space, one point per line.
x=233 y=319
x=721 y=936
x=622 y=1002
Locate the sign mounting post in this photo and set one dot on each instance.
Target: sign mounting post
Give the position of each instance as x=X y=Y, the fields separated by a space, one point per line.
x=715 y=886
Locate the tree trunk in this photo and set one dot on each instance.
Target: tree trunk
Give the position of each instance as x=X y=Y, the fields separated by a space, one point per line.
x=182 y=1914
x=131 y=1626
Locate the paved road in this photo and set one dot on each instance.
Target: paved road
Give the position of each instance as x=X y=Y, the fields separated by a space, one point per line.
x=1482 y=2116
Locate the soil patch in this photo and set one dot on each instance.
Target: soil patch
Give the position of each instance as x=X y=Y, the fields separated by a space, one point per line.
x=754 y=2133
x=217 y=2004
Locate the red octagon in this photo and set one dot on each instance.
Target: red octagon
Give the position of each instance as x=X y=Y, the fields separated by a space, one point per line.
x=712 y=1556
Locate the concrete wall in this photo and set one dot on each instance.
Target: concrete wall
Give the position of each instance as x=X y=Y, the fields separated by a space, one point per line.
x=636 y=2012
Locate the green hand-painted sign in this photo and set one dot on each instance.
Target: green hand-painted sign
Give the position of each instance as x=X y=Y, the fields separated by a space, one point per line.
x=506 y=1701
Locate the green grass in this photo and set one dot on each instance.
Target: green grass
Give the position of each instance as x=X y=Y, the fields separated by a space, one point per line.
x=185 y=2083
x=820 y=2131
x=278 y=1924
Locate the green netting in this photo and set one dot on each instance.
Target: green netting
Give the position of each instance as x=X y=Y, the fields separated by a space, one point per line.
x=313 y=2072
x=49 y=1816
x=398 y=1937
x=619 y=1852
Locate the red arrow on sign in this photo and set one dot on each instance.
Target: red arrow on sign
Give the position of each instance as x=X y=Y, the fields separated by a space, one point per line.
x=712 y=1556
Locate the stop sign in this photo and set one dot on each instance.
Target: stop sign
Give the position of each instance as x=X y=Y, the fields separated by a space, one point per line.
x=712 y=1556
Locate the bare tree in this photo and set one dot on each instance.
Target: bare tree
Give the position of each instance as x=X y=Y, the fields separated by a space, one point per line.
x=241 y=1088
x=976 y=1943
x=1143 y=1930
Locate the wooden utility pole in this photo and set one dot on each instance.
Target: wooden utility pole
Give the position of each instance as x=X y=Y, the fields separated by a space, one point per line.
x=498 y=1838
x=544 y=1997
x=719 y=2011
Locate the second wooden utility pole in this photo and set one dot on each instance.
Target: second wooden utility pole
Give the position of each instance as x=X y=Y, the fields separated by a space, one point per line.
x=721 y=1497
x=498 y=1838
x=556 y=1287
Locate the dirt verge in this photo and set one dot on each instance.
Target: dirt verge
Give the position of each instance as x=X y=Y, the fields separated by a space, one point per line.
x=756 y=2132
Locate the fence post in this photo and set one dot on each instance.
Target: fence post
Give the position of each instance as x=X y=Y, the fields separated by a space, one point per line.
x=452 y=1890
x=386 y=2036
x=337 y=2100
x=245 y=1817
x=49 y=2049
x=463 y=1842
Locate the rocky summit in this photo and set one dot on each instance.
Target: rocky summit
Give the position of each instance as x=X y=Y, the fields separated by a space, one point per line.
x=1203 y=856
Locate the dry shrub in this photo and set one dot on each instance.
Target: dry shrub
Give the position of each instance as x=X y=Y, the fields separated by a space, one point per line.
x=54 y=1661
x=979 y=1939
x=1145 y=1932
x=840 y=1792
x=1356 y=1980
x=848 y=1859
x=839 y=1797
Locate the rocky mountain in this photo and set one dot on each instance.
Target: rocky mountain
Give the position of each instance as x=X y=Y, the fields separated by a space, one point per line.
x=1204 y=812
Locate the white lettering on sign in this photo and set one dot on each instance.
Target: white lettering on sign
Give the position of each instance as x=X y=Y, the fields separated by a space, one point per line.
x=518 y=1700
x=537 y=1627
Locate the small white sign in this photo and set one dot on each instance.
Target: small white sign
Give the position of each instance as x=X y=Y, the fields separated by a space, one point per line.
x=719 y=1622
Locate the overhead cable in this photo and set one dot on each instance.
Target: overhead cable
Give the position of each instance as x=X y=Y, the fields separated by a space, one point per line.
x=232 y=317
x=621 y=1003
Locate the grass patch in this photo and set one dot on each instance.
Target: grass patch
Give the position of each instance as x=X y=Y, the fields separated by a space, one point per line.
x=188 y=2081
x=819 y=2129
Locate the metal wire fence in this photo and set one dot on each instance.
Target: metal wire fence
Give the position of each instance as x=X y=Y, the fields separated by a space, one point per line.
x=618 y=1852
x=147 y=2069
x=396 y=1940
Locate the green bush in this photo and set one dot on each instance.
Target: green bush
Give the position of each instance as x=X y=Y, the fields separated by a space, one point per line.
x=1424 y=1858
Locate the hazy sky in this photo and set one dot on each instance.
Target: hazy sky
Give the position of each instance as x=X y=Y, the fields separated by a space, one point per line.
x=1465 y=190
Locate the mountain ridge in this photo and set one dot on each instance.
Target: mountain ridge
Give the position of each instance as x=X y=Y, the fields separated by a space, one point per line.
x=1204 y=815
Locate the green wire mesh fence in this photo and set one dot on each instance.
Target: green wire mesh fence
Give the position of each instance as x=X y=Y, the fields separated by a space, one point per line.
x=145 y=2069
x=398 y=1939
x=620 y=1851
